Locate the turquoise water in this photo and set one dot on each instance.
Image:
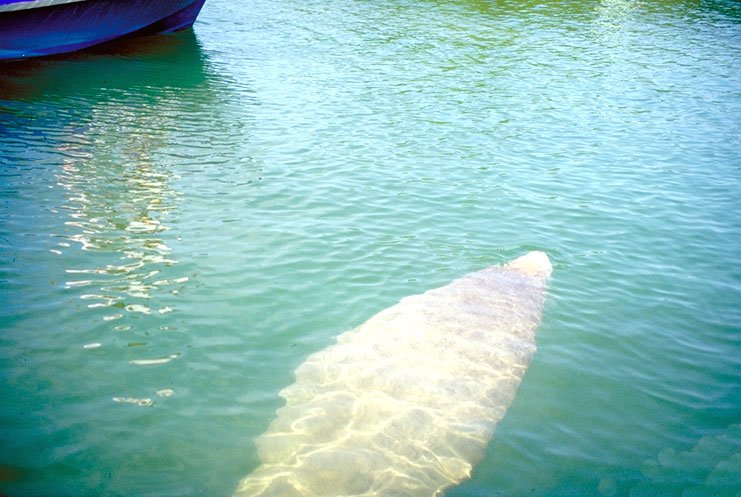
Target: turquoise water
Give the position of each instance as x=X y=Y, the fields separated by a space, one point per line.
x=184 y=219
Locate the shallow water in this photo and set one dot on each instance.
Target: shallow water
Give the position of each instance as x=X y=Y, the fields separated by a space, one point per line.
x=184 y=219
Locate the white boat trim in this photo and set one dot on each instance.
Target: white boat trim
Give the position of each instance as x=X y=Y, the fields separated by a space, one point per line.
x=34 y=4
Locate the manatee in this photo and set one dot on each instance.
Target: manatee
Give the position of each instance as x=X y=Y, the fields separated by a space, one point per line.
x=405 y=404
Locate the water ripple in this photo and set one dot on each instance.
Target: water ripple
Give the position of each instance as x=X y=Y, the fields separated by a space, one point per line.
x=199 y=213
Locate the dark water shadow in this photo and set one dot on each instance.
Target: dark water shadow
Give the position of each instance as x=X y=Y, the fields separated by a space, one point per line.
x=174 y=60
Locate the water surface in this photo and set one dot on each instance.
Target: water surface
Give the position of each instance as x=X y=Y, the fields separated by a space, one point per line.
x=184 y=219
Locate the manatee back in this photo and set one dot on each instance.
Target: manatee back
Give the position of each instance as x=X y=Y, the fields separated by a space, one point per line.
x=405 y=404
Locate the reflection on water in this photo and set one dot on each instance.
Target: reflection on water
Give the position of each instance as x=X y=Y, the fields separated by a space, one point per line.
x=612 y=13
x=155 y=62
x=108 y=121
x=120 y=209
x=119 y=192
x=93 y=150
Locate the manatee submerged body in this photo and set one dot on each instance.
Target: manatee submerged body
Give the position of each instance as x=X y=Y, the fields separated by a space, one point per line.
x=405 y=404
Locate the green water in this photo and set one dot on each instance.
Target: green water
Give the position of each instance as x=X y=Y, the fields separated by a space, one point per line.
x=184 y=219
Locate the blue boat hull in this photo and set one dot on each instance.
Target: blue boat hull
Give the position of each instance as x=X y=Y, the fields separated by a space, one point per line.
x=66 y=27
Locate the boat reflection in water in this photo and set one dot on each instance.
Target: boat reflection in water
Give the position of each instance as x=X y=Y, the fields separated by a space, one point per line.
x=116 y=121
x=94 y=149
x=152 y=62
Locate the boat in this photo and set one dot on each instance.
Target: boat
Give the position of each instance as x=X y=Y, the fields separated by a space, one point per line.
x=33 y=28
